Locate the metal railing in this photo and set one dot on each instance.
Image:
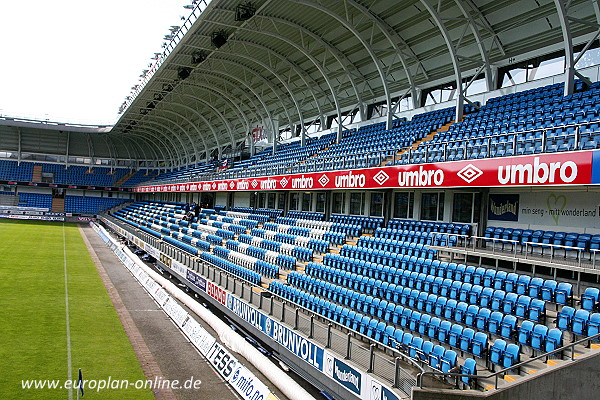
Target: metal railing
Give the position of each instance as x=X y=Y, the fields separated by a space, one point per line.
x=385 y=363
x=496 y=375
x=376 y=158
x=521 y=249
x=200 y=6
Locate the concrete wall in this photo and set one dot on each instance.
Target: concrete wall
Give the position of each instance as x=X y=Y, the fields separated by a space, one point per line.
x=555 y=209
x=241 y=199
x=576 y=381
x=221 y=198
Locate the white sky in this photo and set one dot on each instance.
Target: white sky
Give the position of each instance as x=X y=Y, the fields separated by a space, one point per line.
x=75 y=61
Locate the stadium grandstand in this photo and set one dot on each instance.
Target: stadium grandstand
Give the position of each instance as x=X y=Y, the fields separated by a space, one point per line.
x=395 y=199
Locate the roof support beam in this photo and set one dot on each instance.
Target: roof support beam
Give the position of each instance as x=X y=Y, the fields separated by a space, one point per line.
x=216 y=75
x=223 y=96
x=188 y=160
x=395 y=40
x=153 y=115
x=225 y=122
x=565 y=20
x=437 y=19
x=19 y=145
x=275 y=74
x=173 y=147
x=342 y=59
x=190 y=138
x=483 y=51
x=334 y=96
x=158 y=154
x=267 y=83
x=378 y=64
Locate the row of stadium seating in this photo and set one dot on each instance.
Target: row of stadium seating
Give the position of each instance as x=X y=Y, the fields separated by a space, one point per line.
x=251 y=257
x=299 y=252
x=248 y=223
x=91 y=204
x=370 y=145
x=15 y=171
x=535 y=121
x=83 y=175
x=363 y=222
x=411 y=236
x=332 y=237
x=428 y=226
x=319 y=245
x=187 y=174
x=350 y=230
x=286 y=155
x=39 y=200
x=275 y=258
x=259 y=211
x=247 y=215
x=543 y=239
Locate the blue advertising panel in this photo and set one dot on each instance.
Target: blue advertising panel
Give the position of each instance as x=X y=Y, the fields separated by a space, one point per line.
x=286 y=337
x=197 y=280
x=295 y=343
x=246 y=312
x=347 y=376
x=596 y=166
x=503 y=207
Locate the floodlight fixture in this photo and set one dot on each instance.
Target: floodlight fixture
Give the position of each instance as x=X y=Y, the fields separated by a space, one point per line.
x=244 y=11
x=219 y=38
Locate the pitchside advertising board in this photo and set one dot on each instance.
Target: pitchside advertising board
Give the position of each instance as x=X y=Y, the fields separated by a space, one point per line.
x=360 y=384
x=239 y=377
x=569 y=168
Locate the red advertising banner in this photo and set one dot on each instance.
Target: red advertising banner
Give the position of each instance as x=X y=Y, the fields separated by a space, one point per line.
x=216 y=293
x=571 y=168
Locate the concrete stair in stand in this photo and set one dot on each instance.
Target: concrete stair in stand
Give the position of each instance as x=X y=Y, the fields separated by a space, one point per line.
x=36 y=176
x=58 y=205
x=416 y=144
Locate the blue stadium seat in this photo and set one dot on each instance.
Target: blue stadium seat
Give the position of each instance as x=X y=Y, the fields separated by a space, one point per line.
x=469 y=367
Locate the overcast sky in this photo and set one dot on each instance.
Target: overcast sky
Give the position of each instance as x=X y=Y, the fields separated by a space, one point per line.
x=75 y=61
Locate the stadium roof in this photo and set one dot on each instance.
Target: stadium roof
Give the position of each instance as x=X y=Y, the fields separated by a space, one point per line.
x=235 y=65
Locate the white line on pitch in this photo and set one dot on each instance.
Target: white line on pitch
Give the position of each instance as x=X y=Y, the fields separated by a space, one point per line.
x=69 y=363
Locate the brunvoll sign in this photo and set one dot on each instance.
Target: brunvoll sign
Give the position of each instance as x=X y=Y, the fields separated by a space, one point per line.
x=567 y=168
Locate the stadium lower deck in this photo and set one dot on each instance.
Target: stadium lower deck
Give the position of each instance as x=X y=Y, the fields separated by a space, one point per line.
x=393 y=289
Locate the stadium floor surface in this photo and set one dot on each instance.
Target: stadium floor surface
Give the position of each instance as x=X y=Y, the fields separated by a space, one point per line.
x=34 y=258
x=39 y=263
x=175 y=356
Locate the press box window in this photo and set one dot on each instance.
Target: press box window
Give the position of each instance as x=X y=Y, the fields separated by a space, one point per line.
x=432 y=206
x=262 y=197
x=271 y=200
x=357 y=203
x=320 y=202
x=376 y=204
x=281 y=202
x=466 y=207
x=338 y=203
x=404 y=203
x=306 y=201
x=295 y=201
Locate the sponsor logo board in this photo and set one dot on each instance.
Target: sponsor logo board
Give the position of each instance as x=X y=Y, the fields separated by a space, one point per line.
x=568 y=168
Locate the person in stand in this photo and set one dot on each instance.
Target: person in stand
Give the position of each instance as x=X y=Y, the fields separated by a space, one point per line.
x=197 y=211
x=187 y=208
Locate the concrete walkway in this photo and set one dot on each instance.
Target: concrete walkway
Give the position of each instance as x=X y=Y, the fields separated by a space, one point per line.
x=161 y=348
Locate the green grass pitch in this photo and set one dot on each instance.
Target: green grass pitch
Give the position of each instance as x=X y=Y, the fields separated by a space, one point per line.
x=33 y=342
